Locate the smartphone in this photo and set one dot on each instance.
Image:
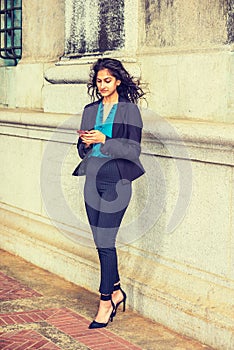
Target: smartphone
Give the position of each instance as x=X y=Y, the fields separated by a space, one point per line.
x=81 y=132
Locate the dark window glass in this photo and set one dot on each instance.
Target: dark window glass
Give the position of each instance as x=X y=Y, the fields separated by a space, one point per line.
x=11 y=31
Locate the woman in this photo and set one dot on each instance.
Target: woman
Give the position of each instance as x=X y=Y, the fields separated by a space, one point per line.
x=109 y=144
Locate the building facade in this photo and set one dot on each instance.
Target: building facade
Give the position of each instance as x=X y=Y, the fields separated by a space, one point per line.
x=176 y=245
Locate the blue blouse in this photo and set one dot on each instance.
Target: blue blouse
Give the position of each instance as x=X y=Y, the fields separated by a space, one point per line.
x=105 y=127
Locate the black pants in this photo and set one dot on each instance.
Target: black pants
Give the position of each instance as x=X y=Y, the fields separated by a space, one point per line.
x=106 y=200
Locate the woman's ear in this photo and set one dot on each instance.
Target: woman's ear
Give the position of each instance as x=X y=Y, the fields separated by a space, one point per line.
x=118 y=82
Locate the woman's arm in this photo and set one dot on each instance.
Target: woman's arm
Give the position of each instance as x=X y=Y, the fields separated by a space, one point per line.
x=81 y=146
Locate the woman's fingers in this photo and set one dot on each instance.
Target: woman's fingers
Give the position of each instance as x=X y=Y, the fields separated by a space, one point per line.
x=93 y=136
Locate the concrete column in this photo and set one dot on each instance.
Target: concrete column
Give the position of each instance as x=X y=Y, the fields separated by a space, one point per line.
x=43 y=30
x=100 y=26
x=43 y=43
x=91 y=27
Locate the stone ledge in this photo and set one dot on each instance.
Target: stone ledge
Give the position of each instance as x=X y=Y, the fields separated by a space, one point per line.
x=188 y=130
x=31 y=117
x=77 y=72
x=185 y=303
x=154 y=126
x=167 y=137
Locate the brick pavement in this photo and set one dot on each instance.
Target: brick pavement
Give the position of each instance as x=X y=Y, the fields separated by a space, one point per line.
x=13 y=289
x=41 y=311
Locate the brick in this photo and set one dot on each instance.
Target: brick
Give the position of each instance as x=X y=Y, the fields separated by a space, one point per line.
x=12 y=289
x=7 y=319
x=25 y=340
x=26 y=318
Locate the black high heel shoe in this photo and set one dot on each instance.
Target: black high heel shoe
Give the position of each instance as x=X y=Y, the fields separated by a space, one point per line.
x=96 y=324
x=118 y=287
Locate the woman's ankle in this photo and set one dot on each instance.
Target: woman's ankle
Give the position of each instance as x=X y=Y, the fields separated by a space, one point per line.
x=105 y=304
x=117 y=286
x=105 y=297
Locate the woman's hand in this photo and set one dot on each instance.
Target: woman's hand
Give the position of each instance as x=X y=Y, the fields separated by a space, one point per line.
x=93 y=136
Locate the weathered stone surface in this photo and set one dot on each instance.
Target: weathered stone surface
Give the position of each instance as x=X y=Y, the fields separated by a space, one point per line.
x=78 y=72
x=43 y=30
x=68 y=74
x=183 y=51
x=94 y=26
x=195 y=85
x=65 y=98
x=230 y=21
x=186 y=23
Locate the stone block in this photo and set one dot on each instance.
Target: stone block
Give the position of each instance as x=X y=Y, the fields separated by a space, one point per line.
x=231 y=262
x=68 y=74
x=65 y=98
x=43 y=30
x=230 y=84
x=189 y=85
x=202 y=239
x=20 y=176
x=29 y=82
x=8 y=86
x=3 y=86
x=11 y=84
x=178 y=24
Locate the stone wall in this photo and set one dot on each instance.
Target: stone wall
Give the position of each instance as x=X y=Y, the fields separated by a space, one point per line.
x=176 y=242
x=93 y=26
x=186 y=24
x=43 y=30
x=43 y=44
x=188 y=46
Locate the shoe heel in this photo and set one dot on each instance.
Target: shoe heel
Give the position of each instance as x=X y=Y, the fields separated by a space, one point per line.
x=113 y=311
x=118 y=287
x=124 y=305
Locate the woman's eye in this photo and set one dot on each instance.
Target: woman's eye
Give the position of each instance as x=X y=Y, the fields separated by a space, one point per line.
x=106 y=81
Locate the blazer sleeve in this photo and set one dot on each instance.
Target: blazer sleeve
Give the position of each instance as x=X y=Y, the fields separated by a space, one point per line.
x=82 y=150
x=127 y=146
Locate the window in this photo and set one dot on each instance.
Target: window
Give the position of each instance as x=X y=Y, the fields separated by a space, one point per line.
x=11 y=31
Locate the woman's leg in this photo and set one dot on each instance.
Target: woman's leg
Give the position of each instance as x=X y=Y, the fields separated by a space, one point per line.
x=105 y=214
x=105 y=238
x=109 y=269
x=115 y=198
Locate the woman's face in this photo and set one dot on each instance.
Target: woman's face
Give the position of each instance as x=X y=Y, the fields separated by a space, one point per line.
x=107 y=84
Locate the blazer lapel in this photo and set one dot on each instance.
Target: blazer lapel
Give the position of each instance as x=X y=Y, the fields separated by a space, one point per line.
x=91 y=116
x=119 y=120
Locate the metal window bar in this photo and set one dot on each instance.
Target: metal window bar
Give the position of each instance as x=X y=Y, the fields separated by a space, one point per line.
x=11 y=30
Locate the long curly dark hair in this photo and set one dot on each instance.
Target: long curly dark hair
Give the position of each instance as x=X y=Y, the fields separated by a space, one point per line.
x=129 y=87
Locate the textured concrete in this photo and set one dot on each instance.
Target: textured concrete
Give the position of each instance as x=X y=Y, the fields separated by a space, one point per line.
x=180 y=23
x=180 y=221
x=195 y=85
x=43 y=30
x=171 y=225
x=61 y=98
